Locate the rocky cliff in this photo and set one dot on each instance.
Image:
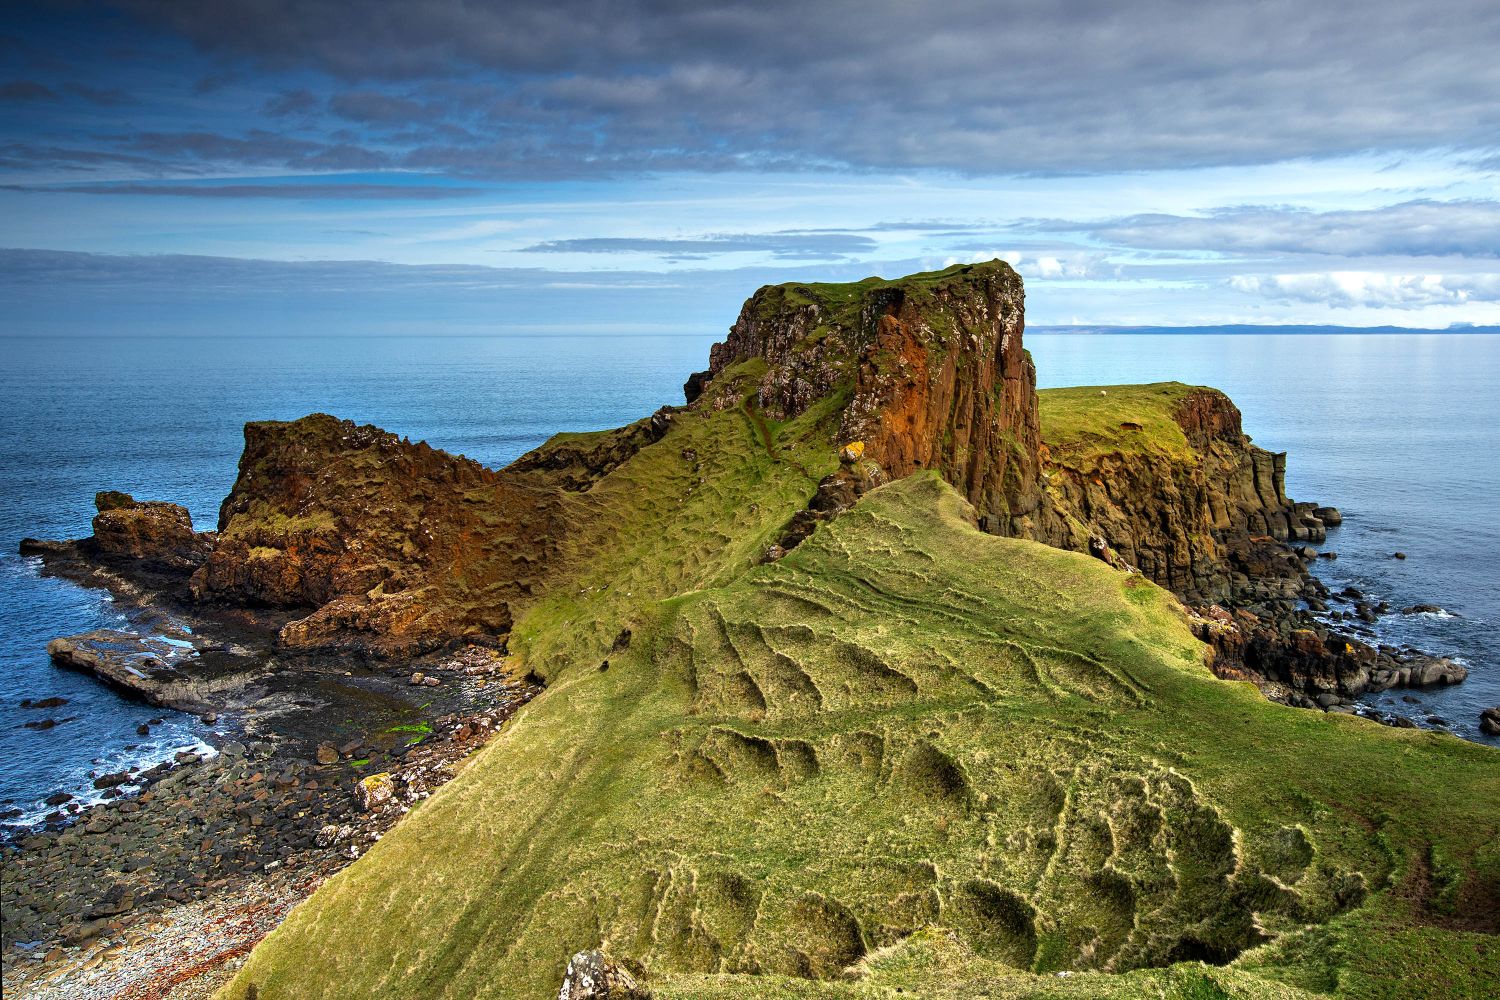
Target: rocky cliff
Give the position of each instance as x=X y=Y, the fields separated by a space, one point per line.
x=932 y=367
x=394 y=547
x=932 y=374
x=1162 y=478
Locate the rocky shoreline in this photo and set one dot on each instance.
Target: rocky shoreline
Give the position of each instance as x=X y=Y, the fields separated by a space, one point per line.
x=205 y=831
x=185 y=864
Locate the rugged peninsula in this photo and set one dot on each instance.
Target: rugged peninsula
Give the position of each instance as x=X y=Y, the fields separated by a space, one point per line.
x=871 y=669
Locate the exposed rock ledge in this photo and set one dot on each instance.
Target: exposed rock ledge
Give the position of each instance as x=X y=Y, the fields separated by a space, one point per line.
x=146 y=667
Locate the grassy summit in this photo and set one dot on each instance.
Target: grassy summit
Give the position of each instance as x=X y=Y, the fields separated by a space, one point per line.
x=909 y=757
x=1085 y=421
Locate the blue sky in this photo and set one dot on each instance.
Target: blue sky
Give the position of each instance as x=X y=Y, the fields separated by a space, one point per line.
x=441 y=166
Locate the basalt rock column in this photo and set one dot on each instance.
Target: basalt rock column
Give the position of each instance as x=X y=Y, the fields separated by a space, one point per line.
x=933 y=365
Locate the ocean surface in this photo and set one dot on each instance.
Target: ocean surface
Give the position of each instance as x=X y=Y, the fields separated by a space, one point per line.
x=1401 y=432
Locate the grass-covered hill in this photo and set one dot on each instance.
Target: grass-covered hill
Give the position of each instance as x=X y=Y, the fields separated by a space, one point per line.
x=907 y=758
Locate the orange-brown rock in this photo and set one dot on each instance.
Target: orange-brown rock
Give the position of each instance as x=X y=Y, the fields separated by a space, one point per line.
x=154 y=533
x=395 y=547
x=932 y=365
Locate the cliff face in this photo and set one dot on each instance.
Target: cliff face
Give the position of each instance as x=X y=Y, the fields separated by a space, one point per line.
x=1162 y=478
x=395 y=547
x=933 y=366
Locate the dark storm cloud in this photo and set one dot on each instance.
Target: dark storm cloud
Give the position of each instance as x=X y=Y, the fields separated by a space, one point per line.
x=785 y=246
x=1414 y=228
x=256 y=147
x=373 y=107
x=291 y=102
x=26 y=90
x=322 y=192
x=99 y=95
x=975 y=86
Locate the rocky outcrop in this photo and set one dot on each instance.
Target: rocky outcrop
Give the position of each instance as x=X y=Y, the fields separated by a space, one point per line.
x=1489 y=721
x=380 y=546
x=932 y=366
x=395 y=547
x=592 y=975
x=577 y=461
x=1301 y=662
x=159 y=535
x=1180 y=494
x=143 y=667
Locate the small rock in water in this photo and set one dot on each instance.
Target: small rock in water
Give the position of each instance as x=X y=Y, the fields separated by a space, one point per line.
x=1489 y=721
x=1398 y=555
x=1423 y=609
x=57 y=799
x=143 y=730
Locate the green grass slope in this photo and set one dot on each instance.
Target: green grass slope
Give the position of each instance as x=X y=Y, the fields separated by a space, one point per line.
x=909 y=757
x=1123 y=419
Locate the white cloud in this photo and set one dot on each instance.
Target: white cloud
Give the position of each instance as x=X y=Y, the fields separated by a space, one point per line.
x=1372 y=289
x=1044 y=266
x=1424 y=228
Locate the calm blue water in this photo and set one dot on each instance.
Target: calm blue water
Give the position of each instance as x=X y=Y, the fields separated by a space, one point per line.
x=1398 y=431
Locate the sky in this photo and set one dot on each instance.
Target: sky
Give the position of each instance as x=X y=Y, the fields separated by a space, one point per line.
x=463 y=166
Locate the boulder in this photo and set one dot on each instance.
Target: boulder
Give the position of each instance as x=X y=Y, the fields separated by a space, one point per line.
x=1489 y=721
x=152 y=532
x=591 y=975
x=1427 y=671
x=376 y=790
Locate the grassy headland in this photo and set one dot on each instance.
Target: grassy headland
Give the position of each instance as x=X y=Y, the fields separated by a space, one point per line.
x=909 y=757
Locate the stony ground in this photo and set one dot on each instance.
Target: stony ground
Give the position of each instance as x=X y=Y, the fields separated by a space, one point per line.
x=158 y=893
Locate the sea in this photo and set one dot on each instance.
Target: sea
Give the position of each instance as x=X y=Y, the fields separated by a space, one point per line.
x=1399 y=431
